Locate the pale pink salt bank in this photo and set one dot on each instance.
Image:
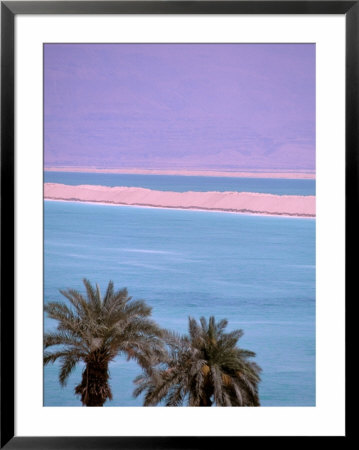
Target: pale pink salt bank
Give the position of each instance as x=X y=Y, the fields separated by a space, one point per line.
x=239 y=202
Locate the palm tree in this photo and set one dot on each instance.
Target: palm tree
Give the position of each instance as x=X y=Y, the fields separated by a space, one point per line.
x=202 y=369
x=95 y=330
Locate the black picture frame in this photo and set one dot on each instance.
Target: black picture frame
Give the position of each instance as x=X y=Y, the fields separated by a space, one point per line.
x=9 y=10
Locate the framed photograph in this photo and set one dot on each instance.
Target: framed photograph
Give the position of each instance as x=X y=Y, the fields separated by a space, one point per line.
x=179 y=186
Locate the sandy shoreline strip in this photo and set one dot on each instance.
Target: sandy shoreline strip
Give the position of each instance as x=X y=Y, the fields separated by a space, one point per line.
x=240 y=202
x=204 y=173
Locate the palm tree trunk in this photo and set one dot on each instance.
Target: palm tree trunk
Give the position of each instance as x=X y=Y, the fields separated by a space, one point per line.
x=94 y=388
x=205 y=401
x=207 y=393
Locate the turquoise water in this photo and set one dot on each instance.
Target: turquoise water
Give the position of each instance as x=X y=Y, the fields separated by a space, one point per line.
x=258 y=272
x=179 y=183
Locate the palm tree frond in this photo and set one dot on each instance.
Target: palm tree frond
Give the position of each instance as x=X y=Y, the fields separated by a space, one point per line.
x=68 y=364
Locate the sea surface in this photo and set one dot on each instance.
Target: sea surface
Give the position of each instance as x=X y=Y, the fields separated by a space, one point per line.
x=258 y=272
x=181 y=183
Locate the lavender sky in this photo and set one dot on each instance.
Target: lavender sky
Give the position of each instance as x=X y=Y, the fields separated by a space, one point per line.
x=180 y=106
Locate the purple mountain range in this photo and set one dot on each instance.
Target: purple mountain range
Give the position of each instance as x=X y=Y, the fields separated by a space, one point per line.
x=180 y=106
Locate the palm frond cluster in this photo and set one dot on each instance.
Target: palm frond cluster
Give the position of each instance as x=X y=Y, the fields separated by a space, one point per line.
x=95 y=330
x=202 y=368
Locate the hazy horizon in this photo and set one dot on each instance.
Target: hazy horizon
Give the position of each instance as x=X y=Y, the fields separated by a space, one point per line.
x=243 y=107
